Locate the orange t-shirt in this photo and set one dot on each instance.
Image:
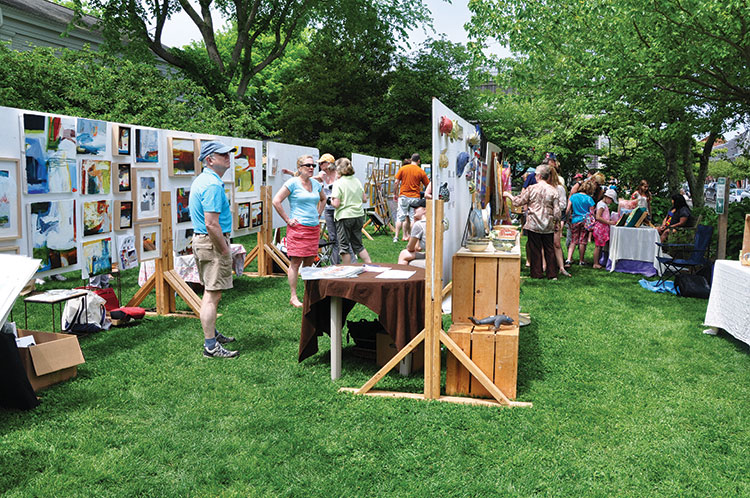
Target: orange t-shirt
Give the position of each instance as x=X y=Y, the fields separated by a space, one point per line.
x=412 y=177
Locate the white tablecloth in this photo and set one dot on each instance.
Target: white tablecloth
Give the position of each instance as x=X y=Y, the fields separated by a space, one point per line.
x=729 y=303
x=638 y=244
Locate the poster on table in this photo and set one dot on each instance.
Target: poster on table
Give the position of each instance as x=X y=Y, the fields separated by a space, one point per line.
x=50 y=149
x=10 y=199
x=286 y=156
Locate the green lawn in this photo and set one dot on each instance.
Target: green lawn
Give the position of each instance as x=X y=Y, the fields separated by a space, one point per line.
x=630 y=399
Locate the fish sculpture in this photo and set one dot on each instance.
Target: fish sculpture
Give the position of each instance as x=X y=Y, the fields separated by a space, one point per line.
x=495 y=320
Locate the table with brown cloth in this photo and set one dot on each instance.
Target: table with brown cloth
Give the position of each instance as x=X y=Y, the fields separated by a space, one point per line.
x=399 y=304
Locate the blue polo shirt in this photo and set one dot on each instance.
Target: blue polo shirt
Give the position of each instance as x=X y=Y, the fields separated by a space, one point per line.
x=207 y=195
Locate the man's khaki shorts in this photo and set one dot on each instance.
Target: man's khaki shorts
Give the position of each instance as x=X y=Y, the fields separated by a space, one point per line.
x=214 y=268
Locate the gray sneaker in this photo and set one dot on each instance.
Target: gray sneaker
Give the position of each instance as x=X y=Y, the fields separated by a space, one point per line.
x=219 y=352
x=223 y=339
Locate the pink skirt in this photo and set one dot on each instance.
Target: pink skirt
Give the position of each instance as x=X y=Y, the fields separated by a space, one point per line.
x=302 y=241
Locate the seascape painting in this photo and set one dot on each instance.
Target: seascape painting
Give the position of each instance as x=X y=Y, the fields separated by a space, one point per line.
x=97 y=217
x=50 y=150
x=127 y=255
x=182 y=204
x=244 y=170
x=10 y=206
x=52 y=229
x=146 y=146
x=97 y=257
x=96 y=177
x=91 y=137
x=182 y=157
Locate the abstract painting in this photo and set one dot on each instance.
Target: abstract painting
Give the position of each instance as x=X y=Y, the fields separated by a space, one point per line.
x=229 y=192
x=121 y=140
x=10 y=200
x=256 y=213
x=146 y=146
x=123 y=178
x=274 y=167
x=127 y=255
x=244 y=170
x=182 y=157
x=148 y=241
x=97 y=257
x=243 y=215
x=183 y=204
x=183 y=242
x=146 y=194
x=91 y=137
x=96 y=177
x=97 y=217
x=52 y=226
x=50 y=150
x=123 y=215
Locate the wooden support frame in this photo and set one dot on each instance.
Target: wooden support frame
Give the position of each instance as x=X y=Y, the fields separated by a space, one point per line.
x=265 y=251
x=165 y=279
x=433 y=334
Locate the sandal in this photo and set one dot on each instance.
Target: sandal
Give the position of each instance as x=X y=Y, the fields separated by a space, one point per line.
x=562 y=271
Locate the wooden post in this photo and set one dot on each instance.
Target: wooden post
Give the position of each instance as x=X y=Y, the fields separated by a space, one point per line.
x=433 y=298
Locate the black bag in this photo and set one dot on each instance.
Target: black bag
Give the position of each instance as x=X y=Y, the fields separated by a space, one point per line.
x=363 y=332
x=692 y=286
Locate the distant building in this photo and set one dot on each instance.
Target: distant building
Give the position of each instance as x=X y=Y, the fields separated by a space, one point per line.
x=732 y=149
x=38 y=23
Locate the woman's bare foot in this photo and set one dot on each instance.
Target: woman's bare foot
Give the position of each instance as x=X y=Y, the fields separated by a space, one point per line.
x=294 y=301
x=597 y=266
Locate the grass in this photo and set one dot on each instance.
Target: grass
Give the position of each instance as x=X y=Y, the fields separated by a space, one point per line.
x=630 y=399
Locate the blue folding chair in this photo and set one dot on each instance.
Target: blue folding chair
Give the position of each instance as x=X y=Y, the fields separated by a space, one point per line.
x=697 y=254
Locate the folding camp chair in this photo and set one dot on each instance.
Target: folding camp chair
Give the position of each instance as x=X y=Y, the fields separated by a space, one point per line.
x=377 y=221
x=325 y=253
x=697 y=254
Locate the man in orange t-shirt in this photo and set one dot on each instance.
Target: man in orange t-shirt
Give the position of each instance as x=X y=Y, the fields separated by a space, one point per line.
x=409 y=181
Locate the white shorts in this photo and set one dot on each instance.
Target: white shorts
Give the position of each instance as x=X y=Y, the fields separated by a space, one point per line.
x=404 y=208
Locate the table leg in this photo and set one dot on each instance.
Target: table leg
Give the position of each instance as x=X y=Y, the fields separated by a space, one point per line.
x=53 y=316
x=336 y=337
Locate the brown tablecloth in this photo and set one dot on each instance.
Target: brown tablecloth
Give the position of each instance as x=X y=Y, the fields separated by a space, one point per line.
x=398 y=303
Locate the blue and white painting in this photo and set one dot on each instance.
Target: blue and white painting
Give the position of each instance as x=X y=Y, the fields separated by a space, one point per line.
x=53 y=233
x=91 y=137
x=50 y=154
x=97 y=257
x=146 y=146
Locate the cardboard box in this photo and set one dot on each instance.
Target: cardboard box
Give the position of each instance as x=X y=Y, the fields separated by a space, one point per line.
x=52 y=360
x=386 y=349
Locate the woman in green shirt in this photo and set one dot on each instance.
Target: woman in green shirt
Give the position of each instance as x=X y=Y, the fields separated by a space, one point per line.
x=347 y=196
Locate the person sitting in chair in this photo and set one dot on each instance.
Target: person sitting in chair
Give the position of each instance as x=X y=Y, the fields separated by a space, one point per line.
x=416 y=245
x=678 y=216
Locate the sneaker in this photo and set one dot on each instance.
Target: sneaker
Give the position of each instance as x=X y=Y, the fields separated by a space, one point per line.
x=219 y=352
x=395 y=239
x=222 y=339
x=568 y=263
x=582 y=263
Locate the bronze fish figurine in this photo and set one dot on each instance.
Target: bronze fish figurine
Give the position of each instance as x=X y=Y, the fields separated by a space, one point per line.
x=495 y=320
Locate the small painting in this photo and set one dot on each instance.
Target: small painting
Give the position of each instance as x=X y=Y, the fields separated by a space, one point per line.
x=183 y=241
x=243 y=215
x=10 y=200
x=52 y=226
x=127 y=255
x=123 y=215
x=146 y=194
x=123 y=178
x=50 y=149
x=97 y=217
x=121 y=140
x=97 y=257
x=146 y=146
x=182 y=204
x=244 y=170
x=182 y=157
x=256 y=214
x=274 y=166
x=91 y=137
x=148 y=241
x=96 y=177
x=229 y=192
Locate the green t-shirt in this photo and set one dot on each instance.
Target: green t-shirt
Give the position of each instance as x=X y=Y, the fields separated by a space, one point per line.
x=350 y=191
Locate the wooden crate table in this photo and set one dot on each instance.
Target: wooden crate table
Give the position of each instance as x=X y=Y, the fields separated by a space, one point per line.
x=484 y=284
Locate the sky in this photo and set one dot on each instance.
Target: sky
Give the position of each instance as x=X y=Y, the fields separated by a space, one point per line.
x=447 y=18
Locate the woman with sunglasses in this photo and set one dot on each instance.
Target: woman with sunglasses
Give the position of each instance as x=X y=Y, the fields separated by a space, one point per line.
x=306 y=202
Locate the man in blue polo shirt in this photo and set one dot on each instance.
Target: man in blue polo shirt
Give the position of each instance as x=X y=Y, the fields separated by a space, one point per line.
x=212 y=224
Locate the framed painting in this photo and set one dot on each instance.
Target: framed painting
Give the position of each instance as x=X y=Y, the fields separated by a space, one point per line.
x=52 y=232
x=10 y=199
x=10 y=250
x=91 y=137
x=146 y=146
x=126 y=253
x=183 y=241
x=96 y=177
x=242 y=219
x=97 y=217
x=274 y=169
x=244 y=170
x=182 y=156
x=148 y=241
x=121 y=140
x=146 y=197
x=182 y=204
x=97 y=257
x=256 y=215
x=123 y=183
x=50 y=149
x=123 y=215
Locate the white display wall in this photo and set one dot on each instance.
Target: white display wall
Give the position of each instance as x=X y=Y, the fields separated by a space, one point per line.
x=363 y=166
x=283 y=156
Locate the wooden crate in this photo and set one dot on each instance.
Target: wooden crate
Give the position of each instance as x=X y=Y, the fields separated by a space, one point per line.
x=495 y=353
x=485 y=284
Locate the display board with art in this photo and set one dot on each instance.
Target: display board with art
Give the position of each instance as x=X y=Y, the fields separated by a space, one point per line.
x=52 y=231
x=10 y=200
x=50 y=149
x=97 y=257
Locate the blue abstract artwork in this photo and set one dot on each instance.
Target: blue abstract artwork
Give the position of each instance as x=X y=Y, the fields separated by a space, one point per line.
x=91 y=137
x=50 y=154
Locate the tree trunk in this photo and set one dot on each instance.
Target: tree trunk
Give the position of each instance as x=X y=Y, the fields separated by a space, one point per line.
x=670 y=149
x=696 y=186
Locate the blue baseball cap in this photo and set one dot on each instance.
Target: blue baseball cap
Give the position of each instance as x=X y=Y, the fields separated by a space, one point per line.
x=214 y=147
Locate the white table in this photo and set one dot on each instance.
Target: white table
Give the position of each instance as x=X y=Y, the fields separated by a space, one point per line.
x=729 y=302
x=634 y=244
